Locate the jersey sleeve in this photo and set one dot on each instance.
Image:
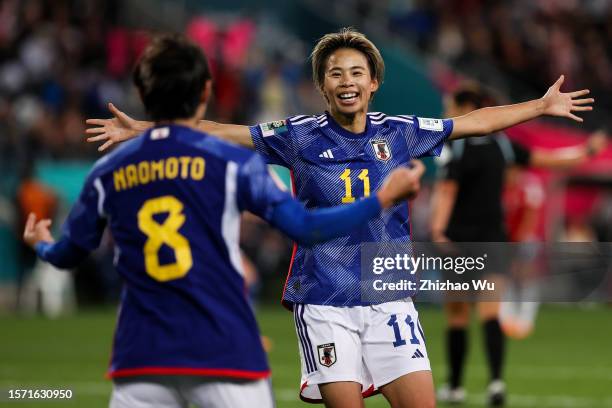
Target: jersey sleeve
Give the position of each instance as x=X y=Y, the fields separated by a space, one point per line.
x=257 y=190
x=86 y=221
x=427 y=136
x=63 y=254
x=274 y=141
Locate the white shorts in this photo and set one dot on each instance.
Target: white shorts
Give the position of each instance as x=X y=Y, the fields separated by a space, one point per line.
x=184 y=392
x=370 y=345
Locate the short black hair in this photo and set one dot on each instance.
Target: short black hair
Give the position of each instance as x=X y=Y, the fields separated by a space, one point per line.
x=170 y=77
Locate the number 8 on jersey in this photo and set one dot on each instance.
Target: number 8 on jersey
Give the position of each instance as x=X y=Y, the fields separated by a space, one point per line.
x=166 y=233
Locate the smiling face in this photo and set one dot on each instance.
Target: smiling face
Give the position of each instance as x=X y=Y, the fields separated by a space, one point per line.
x=348 y=83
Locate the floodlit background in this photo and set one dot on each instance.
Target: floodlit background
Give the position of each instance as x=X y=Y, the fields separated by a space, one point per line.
x=62 y=61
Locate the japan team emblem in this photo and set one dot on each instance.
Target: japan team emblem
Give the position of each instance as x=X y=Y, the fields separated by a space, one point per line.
x=381 y=149
x=327 y=354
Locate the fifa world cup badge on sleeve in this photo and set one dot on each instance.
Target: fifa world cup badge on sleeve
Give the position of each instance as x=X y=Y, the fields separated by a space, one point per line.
x=327 y=354
x=271 y=128
x=431 y=124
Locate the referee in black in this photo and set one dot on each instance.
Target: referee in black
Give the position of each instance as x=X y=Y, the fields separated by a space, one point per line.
x=467 y=207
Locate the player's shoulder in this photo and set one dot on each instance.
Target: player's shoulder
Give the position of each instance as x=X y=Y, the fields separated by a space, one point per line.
x=222 y=149
x=307 y=122
x=299 y=129
x=382 y=119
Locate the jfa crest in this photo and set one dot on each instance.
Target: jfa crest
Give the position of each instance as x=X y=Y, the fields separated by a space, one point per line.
x=327 y=354
x=381 y=149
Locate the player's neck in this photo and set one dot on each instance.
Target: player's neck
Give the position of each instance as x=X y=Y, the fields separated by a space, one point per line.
x=354 y=123
x=191 y=122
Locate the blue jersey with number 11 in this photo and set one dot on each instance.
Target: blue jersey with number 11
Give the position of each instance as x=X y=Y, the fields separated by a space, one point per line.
x=331 y=166
x=171 y=198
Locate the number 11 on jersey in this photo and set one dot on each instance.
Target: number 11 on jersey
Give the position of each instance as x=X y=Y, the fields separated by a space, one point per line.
x=346 y=176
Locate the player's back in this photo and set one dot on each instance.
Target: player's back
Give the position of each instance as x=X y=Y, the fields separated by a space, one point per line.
x=170 y=197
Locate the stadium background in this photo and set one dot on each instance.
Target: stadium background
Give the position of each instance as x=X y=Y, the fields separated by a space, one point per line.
x=62 y=61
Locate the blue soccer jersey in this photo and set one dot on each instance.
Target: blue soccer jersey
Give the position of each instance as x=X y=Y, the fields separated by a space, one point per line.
x=171 y=198
x=331 y=166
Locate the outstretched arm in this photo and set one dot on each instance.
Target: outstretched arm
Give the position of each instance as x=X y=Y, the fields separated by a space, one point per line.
x=62 y=254
x=554 y=103
x=115 y=130
x=122 y=127
x=238 y=134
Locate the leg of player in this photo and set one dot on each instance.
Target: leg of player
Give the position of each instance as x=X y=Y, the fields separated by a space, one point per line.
x=414 y=390
x=458 y=319
x=494 y=341
x=342 y=394
x=331 y=355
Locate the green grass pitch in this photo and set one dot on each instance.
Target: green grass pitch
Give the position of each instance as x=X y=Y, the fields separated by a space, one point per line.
x=567 y=362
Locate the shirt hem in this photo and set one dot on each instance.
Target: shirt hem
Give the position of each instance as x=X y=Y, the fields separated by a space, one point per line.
x=204 y=372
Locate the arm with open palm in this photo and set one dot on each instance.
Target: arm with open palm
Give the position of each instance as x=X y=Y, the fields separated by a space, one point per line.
x=122 y=127
x=554 y=103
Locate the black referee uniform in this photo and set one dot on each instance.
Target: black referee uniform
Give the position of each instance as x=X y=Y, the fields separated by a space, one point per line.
x=478 y=166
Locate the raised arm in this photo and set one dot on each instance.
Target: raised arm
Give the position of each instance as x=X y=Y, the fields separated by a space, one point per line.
x=117 y=129
x=122 y=127
x=238 y=134
x=554 y=103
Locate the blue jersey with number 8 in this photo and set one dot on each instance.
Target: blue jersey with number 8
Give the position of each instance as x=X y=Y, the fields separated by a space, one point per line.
x=171 y=198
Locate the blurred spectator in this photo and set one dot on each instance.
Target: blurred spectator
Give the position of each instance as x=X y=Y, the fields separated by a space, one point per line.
x=519 y=47
x=62 y=61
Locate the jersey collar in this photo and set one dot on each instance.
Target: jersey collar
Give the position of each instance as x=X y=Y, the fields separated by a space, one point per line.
x=343 y=132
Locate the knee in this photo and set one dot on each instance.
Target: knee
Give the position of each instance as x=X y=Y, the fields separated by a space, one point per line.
x=428 y=403
x=422 y=400
x=488 y=310
x=458 y=315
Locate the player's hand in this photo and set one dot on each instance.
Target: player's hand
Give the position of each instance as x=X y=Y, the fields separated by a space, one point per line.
x=401 y=184
x=596 y=142
x=36 y=231
x=115 y=130
x=418 y=169
x=557 y=103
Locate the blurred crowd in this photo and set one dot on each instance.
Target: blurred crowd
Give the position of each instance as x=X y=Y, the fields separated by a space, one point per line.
x=531 y=42
x=61 y=61
x=517 y=47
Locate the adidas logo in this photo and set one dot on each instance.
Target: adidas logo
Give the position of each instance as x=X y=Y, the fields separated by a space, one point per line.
x=418 y=354
x=327 y=154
